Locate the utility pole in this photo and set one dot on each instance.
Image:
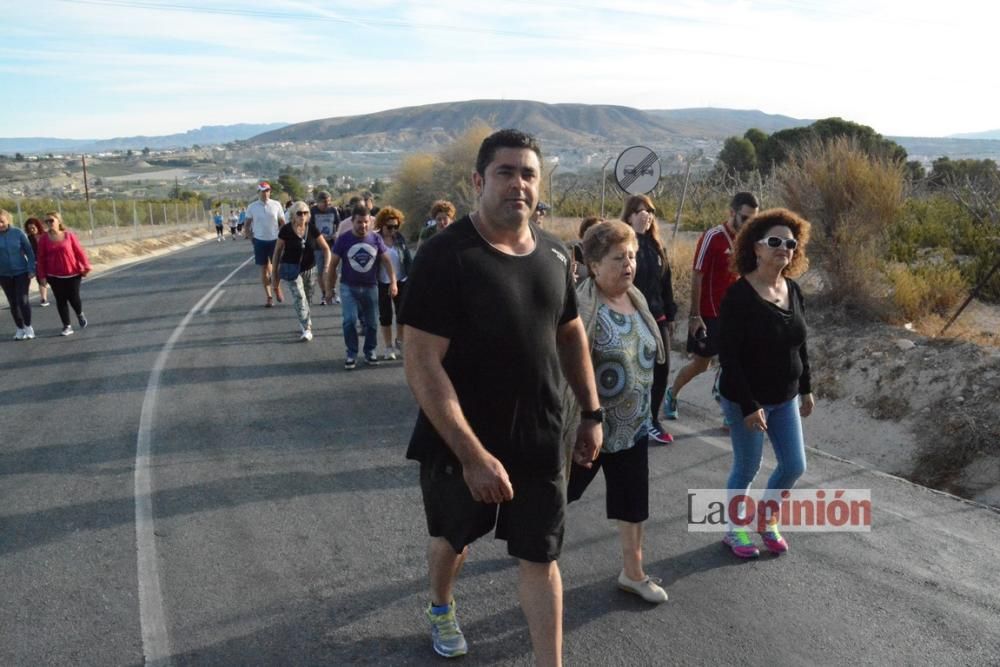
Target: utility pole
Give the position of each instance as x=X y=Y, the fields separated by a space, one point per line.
x=604 y=181
x=86 y=193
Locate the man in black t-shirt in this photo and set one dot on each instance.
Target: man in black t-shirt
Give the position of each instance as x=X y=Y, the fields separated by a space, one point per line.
x=491 y=316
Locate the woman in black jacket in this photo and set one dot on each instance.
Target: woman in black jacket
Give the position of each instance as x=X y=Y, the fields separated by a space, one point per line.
x=653 y=278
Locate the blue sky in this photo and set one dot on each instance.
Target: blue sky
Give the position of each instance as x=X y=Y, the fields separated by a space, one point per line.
x=104 y=68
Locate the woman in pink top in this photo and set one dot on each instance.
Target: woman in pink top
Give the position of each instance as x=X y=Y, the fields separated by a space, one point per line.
x=63 y=264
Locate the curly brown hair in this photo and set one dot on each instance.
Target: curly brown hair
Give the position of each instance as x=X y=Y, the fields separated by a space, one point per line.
x=443 y=206
x=387 y=213
x=33 y=223
x=744 y=260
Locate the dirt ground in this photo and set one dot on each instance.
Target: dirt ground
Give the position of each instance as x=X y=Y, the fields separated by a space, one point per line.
x=918 y=406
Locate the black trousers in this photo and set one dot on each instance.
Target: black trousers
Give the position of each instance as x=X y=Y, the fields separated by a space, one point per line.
x=67 y=291
x=660 y=373
x=15 y=288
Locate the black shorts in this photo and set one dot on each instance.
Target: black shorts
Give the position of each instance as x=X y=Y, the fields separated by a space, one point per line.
x=709 y=345
x=626 y=476
x=387 y=303
x=532 y=523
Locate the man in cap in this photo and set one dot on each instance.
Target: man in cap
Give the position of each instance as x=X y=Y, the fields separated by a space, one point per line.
x=264 y=218
x=541 y=211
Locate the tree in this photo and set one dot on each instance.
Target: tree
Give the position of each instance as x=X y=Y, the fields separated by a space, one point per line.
x=146 y=151
x=18 y=157
x=293 y=186
x=129 y=153
x=738 y=156
x=756 y=137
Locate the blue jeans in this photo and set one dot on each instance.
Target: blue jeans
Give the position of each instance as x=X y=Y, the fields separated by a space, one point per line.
x=784 y=428
x=355 y=300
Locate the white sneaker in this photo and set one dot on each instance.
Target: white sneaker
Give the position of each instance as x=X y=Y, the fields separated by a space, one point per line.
x=389 y=354
x=307 y=335
x=648 y=589
x=67 y=331
x=29 y=332
x=19 y=334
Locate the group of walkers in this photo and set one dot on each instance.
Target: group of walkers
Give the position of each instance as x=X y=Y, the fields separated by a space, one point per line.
x=535 y=366
x=51 y=254
x=301 y=247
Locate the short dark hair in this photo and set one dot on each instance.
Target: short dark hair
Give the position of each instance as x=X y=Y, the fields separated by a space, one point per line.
x=504 y=139
x=360 y=209
x=741 y=199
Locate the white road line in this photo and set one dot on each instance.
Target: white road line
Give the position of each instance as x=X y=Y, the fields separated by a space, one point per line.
x=210 y=304
x=152 y=619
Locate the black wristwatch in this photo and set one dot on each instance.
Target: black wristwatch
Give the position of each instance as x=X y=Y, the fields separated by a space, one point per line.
x=593 y=415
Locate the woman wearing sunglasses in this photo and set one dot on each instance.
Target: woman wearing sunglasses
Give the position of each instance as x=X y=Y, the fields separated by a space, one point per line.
x=765 y=383
x=387 y=224
x=63 y=264
x=295 y=262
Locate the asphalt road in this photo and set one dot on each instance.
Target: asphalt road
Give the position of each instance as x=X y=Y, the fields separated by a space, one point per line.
x=286 y=527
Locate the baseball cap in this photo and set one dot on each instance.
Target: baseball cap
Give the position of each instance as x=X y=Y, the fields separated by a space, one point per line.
x=263 y=185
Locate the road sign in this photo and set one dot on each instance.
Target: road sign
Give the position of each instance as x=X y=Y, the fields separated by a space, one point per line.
x=637 y=170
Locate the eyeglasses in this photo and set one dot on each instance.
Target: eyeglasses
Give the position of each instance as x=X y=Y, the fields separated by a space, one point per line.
x=49 y=221
x=302 y=213
x=777 y=241
x=392 y=226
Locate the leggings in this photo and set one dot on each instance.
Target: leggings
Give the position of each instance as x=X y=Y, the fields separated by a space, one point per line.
x=67 y=291
x=660 y=373
x=16 y=290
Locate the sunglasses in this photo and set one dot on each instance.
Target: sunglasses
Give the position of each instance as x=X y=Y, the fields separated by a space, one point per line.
x=392 y=226
x=50 y=221
x=302 y=213
x=777 y=241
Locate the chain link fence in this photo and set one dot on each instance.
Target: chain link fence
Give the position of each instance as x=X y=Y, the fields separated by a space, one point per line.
x=109 y=220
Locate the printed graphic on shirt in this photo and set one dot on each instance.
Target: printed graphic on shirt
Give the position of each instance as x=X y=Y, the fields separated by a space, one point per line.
x=362 y=256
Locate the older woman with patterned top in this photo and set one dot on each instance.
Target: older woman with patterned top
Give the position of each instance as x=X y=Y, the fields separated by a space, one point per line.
x=625 y=344
x=295 y=262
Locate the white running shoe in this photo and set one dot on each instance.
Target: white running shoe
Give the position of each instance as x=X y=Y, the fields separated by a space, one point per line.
x=19 y=334
x=389 y=354
x=67 y=331
x=29 y=332
x=307 y=335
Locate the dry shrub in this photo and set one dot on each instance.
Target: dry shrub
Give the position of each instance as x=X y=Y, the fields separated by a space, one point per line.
x=851 y=198
x=922 y=290
x=680 y=253
x=424 y=178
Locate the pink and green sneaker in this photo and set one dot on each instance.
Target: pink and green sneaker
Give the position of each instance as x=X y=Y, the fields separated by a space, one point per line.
x=773 y=540
x=740 y=543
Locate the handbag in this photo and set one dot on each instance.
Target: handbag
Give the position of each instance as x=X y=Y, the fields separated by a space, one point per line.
x=288 y=272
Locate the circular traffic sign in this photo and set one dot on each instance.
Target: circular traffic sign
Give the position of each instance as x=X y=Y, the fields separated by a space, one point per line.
x=637 y=170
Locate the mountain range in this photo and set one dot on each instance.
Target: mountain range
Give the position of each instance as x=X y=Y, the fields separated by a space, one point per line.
x=204 y=136
x=580 y=130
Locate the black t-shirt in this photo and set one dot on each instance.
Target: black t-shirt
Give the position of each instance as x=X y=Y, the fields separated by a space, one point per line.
x=299 y=250
x=500 y=313
x=327 y=222
x=762 y=348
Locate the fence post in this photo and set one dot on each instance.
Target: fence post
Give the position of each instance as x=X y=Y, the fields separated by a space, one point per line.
x=135 y=219
x=59 y=207
x=20 y=216
x=150 y=204
x=114 y=211
x=177 y=213
x=90 y=209
x=164 y=214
